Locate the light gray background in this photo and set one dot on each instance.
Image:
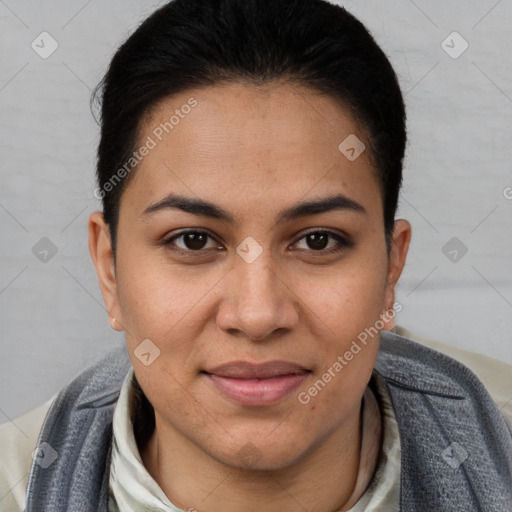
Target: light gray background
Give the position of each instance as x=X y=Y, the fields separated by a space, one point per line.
x=457 y=171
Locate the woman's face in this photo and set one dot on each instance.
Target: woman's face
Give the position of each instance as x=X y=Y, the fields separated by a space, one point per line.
x=271 y=279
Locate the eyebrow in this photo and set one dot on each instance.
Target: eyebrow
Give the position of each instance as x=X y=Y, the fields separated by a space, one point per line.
x=207 y=209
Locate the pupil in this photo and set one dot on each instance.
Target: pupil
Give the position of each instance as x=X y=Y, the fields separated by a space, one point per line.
x=195 y=240
x=317 y=241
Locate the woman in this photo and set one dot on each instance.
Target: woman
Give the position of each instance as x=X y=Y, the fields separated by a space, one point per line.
x=249 y=166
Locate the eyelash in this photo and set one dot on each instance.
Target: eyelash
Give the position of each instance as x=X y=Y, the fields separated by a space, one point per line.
x=343 y=243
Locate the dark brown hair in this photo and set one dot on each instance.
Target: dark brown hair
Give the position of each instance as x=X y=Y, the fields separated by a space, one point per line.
x=194 y=43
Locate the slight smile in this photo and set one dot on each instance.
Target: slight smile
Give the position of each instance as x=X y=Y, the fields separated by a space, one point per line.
x=257 y=385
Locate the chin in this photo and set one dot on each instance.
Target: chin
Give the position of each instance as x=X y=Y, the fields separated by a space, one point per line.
x=260 y=455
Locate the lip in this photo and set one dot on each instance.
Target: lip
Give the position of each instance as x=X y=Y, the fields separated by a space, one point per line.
x=257 y=385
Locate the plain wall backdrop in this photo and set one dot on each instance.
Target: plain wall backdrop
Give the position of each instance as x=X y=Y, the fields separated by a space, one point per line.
x=457 y=193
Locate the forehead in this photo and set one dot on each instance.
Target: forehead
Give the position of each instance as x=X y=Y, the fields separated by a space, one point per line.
x=236 y=143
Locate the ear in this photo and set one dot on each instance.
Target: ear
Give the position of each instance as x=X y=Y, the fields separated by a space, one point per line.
x=397 y=256
x=100 y=248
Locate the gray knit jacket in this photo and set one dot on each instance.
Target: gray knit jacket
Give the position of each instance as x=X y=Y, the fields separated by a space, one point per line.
x=456 y=448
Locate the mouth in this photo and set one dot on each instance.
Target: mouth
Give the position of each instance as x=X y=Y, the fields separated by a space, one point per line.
x=257 y=385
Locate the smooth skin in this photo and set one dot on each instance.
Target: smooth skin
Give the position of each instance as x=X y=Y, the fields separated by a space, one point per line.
x=252 y=151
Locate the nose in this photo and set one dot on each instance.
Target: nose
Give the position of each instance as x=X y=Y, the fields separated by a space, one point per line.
x=258 y=301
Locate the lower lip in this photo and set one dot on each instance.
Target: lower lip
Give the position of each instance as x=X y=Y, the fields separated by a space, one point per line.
x=257 y=392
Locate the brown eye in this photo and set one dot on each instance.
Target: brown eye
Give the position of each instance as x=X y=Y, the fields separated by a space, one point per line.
x=195 y=241
x=191 y=241
x=318 y=241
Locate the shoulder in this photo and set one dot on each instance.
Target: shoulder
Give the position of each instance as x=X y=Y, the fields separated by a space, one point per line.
x=18 y=439
x=412 y=364
x=495 y=375
x=93 y=389
x=446 y=416
x=78 y=431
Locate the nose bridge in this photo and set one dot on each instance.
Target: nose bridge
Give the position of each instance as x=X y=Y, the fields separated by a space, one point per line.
x=258 y=302
x=256 y=277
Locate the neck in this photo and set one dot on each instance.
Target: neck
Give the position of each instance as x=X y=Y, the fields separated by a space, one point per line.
x=332 y=477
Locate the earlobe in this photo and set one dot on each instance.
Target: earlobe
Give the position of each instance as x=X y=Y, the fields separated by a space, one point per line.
x=100 y=248
x=397 y=256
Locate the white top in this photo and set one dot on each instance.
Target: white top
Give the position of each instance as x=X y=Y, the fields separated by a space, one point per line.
x=134 y=489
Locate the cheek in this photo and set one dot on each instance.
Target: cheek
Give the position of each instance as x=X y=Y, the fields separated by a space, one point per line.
x=158 y=300
x=346 y=321
x=348 y=300
x=346 y=328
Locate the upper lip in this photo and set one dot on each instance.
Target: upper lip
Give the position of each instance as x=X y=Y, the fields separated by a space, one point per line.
x=247 y=370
